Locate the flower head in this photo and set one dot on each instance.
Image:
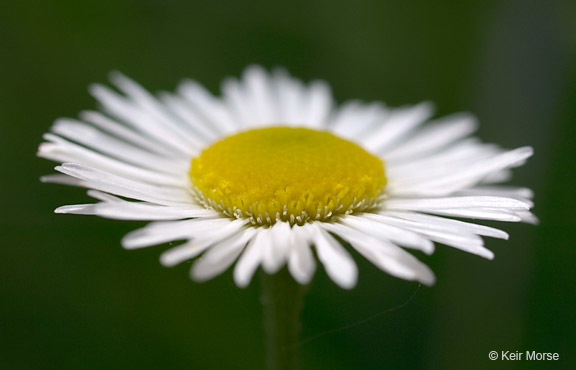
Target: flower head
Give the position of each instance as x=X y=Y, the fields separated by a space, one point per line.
x=274 y=172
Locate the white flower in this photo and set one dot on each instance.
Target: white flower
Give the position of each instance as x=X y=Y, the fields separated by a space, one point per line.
x=291 y=175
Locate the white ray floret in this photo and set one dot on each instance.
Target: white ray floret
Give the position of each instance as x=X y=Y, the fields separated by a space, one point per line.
x=337 y=261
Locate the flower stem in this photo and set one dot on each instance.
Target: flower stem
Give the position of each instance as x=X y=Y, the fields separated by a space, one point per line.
x=282 y=299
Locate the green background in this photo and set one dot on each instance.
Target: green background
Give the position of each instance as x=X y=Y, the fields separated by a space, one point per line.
x=72 y=298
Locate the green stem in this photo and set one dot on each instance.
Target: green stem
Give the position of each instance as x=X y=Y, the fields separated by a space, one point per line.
x=282 y=299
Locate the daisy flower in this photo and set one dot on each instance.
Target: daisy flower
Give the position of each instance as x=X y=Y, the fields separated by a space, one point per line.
x=274 y=173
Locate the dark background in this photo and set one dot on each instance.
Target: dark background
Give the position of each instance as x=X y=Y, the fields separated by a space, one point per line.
x=72 y=298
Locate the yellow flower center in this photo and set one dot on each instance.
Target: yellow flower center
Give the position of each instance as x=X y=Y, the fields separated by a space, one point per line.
x=288 y=174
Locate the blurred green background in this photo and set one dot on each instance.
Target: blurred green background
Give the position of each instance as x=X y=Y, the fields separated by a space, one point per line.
x=72 y=298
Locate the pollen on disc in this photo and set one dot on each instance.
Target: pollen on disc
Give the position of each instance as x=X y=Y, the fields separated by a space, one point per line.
x=289 y=174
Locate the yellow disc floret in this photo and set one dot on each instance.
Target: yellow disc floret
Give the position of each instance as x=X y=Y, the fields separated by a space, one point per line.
x=289 y=174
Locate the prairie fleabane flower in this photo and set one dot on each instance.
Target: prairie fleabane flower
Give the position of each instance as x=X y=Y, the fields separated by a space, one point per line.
x=274 y=171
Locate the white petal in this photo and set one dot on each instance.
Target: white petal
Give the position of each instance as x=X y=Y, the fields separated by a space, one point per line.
x=291 y=98
x=100 y=180
x=194 y=248
x=301 y=262
x=498 y=176
x=528 y=217
x=276 y=251
x=428 y=204
x=500 y=191
x=262 y=104
x=354 y=119
x=249 y=260
x=385 y=255
x=216 y=114
x=127 y=134
x=269 y=259
x=441 y=163
x=480 y=214
x=454 y=180
x=136 y=211
x=112 y=147
x=161 y=232
x=336 y=260
x=181 y=253
x=133 y=115
x=157 y=112
x=221 y=256
x=446 y=224
x=399 y=123
x=61 y=150
x=436 y=135
x=459 y=238
x=195 y=123
x=238 y=101
x=391 y=233
x=105 y=197
x=319 y=104
x=60 y=179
